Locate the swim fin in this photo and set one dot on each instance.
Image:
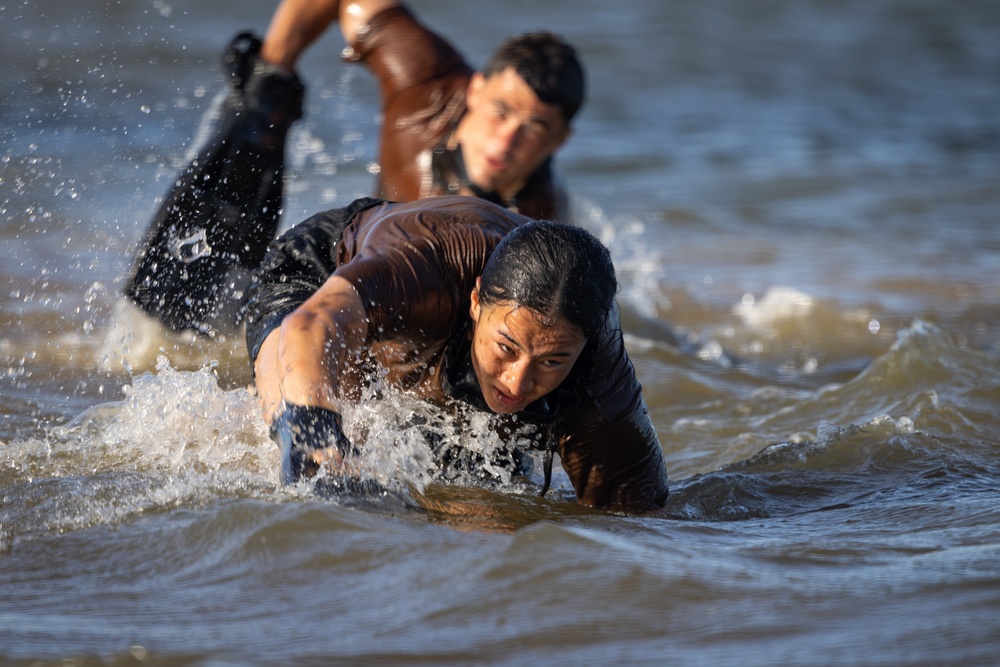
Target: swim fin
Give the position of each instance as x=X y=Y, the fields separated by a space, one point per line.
x=216 y=221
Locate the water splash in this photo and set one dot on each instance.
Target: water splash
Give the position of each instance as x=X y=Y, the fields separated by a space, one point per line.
x=176 y=439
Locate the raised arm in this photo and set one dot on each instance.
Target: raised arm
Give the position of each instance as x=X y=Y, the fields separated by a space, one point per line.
x=303 y=360
x=296 y=24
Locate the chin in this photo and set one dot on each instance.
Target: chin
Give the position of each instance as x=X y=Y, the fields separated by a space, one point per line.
x=487 y=180
x=501 y=409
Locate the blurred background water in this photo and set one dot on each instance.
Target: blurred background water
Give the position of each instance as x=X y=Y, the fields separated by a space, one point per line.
x=802 y=199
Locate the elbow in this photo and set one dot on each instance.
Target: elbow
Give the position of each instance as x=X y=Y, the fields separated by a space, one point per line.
x=629 y=500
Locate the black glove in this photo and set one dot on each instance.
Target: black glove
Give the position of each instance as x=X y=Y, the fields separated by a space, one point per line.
x=302 y=430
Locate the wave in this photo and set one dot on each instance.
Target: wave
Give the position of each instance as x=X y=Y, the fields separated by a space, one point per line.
x=917 y=422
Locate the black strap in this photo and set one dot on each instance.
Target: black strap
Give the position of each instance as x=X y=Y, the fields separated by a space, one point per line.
x=547 y=467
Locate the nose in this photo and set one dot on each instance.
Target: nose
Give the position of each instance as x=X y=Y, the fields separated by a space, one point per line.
x=519 y=380
x=508 y=132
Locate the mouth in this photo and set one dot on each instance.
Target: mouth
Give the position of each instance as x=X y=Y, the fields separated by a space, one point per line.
x=506 y=400
x=496 y=164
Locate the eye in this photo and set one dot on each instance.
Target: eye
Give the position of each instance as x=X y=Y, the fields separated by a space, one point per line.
x=536 y=130
x=505 y=348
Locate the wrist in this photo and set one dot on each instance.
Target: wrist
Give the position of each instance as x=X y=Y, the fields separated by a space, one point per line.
x=309 y=436
x=278 y=57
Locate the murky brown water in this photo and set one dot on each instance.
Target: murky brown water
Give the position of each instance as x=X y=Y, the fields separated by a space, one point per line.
x=802 y=201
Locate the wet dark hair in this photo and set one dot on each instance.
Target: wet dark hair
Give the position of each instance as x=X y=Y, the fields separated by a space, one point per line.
x=547 y=64
x=553 y=269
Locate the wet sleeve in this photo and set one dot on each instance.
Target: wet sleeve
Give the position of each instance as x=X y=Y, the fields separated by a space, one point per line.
x=402 y=53
x=610 y=449
x=295 y=266
x=414 y=280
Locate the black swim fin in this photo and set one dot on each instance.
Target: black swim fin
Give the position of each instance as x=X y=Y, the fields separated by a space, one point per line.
x=221 y=213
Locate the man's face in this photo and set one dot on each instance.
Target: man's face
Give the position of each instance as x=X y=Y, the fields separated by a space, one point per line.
x=507 y=132
x=518 y=358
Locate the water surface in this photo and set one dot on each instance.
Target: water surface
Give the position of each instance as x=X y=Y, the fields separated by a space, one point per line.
x=802 y=202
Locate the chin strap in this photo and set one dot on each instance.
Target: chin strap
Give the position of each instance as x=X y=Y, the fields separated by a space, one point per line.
x=547 y=467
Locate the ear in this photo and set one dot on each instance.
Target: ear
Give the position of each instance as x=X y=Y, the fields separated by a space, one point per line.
x=474 y=91
x=475 y=306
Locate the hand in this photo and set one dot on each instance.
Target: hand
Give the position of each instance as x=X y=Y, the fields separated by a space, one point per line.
x=309 y=437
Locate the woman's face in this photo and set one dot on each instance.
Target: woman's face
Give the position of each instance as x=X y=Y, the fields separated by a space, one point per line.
x=517 y=358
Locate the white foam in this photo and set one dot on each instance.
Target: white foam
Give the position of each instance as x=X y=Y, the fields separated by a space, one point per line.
x=778 y=304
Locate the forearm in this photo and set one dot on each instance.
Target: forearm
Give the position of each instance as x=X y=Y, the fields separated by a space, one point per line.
x=296 y=24
x=291 y=368
x=305 y=360
x=617 y=464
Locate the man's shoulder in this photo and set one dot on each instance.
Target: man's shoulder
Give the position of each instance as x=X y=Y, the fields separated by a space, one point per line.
x=544 y=196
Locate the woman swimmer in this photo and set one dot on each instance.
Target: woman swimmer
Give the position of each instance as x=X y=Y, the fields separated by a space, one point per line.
x=458 y=301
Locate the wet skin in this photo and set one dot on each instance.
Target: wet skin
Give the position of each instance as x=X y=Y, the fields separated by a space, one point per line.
x=518 y=357
x=507 y=132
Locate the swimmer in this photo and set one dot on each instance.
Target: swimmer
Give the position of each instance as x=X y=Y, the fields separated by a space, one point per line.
x=465 y=304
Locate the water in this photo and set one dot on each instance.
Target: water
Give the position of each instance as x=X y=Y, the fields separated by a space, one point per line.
x=802 y=201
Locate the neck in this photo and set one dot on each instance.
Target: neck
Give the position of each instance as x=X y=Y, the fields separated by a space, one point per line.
x=505 y=195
